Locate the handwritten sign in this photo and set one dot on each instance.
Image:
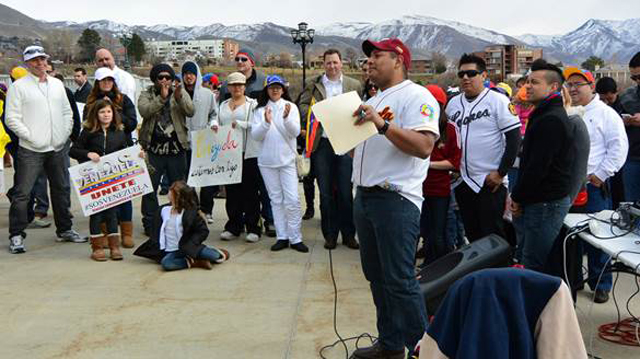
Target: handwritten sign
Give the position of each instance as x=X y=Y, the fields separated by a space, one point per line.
x=216 y=157
x=117 y=178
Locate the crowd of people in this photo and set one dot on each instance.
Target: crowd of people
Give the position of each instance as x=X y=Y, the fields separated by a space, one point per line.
x=485 y=158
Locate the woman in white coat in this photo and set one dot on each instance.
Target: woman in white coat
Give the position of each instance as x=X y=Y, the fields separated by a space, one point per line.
x=243 y=200
x=276 y=124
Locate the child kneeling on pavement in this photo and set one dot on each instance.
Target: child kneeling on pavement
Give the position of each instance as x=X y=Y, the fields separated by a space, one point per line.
x=178 y=231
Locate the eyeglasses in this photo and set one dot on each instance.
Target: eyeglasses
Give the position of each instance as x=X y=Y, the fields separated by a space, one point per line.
x=469 y=73
x=571 y=85
x=635 y=77
x=241 y=59
x=165 y=77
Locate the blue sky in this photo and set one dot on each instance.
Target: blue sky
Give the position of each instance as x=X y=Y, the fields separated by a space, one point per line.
x=513 y=17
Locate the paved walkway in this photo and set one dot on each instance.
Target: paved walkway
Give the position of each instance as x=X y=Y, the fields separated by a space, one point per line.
x=57 y=303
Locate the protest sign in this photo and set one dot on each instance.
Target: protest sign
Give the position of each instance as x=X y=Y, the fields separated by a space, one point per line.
x=117 y=178
x=216 y=157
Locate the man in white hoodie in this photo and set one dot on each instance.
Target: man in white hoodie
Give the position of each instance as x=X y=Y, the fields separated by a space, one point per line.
x=608 y=152
x=38 y=112
x=205 y=115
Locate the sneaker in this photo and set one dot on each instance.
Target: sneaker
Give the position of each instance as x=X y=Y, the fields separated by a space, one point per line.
x=209 y=219
x=252 y=238
x=300 y=247
x=71 y=236
x=16 y=244
x=280 y=245
x=269 y=230
x=39 y=223
x=227 y=236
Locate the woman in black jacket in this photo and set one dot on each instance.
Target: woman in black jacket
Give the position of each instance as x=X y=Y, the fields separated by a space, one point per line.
x=105 y=87
x=102 y=134
x=178 y=231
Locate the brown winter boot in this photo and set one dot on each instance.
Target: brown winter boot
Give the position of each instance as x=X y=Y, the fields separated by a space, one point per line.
x=199 y=263
x=126 y=231
x=114 y=247
x=97 y=253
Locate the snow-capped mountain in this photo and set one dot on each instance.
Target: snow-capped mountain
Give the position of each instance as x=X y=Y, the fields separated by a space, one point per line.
x=607 y=39
x=610 y=40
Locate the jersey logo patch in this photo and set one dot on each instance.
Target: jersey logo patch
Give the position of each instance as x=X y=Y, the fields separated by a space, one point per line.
x=512 y=109
x=427 y=110
x=386 y=114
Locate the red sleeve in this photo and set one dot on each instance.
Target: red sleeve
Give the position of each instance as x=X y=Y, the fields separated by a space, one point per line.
x=452 y=151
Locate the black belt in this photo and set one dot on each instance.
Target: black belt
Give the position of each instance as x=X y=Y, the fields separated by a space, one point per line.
x=373 y=189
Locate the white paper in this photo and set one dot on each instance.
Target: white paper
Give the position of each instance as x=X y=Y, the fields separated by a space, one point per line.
x=117 y=178
x=338 y=122
x=216 y=158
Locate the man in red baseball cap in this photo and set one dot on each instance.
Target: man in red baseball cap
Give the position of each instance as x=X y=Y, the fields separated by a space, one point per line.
x=388 y=170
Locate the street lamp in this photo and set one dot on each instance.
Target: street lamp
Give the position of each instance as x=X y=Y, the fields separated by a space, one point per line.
x=125 y=40
x=303 y=36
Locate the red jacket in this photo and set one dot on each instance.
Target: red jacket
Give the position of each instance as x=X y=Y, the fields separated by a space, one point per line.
x=438 y=182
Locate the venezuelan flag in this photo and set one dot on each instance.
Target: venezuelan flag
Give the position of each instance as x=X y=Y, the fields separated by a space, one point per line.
x=312 y=129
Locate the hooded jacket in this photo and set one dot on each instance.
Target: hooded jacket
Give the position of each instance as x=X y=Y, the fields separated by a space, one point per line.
x=41 y=119
x=150 y=105
x=204 y=104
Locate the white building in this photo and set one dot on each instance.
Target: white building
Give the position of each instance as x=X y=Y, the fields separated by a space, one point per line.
x=181 y=49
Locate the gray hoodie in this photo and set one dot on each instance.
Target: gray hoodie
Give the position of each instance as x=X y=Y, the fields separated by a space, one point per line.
x=204 y=104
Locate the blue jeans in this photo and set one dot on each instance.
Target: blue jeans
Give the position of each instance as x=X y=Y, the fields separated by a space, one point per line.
x=537 y=229
x=39 y=201
x=433 y=225
x=631 y=179
x=388 y=226
x=178 y=260
x=597 y=260
x=125 y=212
x=336 y=195
x=31 y=165
x=455 y=228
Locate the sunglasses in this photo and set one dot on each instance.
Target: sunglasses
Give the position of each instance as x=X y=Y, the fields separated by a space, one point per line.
x=242 y=59
x=635 y=77
x=165 y=77
x=34 y=51
x=469 y=73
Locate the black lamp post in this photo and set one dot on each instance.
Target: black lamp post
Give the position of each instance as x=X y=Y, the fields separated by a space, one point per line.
x=303 y=36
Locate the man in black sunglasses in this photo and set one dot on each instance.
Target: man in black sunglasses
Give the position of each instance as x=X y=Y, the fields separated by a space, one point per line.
x=490 y=137
x=164 y=107
x=630 y=103
x=256 y=80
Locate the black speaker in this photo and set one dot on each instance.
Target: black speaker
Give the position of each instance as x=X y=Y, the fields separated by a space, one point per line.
x=436 y=278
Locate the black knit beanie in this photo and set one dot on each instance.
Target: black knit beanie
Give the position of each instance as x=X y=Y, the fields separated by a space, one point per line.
x=157 y=69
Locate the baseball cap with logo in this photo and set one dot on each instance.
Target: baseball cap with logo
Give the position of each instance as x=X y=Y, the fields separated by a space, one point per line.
x=570 y=71
x=275 y=79
x=31 y=52
x=104 y=72
x=392 y=44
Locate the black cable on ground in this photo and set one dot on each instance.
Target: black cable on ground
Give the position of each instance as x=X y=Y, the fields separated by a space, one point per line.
x=340 y=340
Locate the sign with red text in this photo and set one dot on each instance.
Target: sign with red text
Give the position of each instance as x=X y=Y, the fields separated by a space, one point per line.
x=118 y=177
x=216 y=157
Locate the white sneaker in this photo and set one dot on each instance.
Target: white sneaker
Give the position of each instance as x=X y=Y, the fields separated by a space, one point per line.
x=252 y=238
x=16 y=244
x=227 y=236
x=209 y=219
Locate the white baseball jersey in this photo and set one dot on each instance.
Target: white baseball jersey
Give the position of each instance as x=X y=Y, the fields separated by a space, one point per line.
x=377 y=162
x=481 y=125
